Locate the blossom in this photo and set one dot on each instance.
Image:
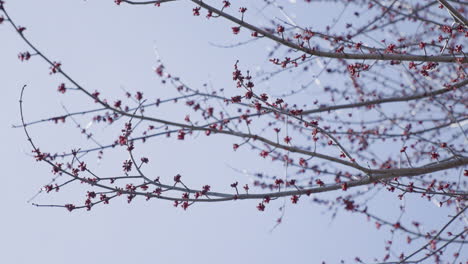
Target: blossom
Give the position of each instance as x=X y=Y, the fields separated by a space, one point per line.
x=70 y=207
x=61 y=88
x=196 y=11
x=294 y=199
x=235 y=30
x=261 y=207
x=127 y=165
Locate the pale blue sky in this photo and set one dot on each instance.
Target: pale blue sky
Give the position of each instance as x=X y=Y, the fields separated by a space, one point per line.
x=106 y=47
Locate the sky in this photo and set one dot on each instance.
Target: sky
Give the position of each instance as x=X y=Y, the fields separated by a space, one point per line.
x=112 y=48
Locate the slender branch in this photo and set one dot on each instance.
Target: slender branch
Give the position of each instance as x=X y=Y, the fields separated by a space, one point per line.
x=458 y=17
